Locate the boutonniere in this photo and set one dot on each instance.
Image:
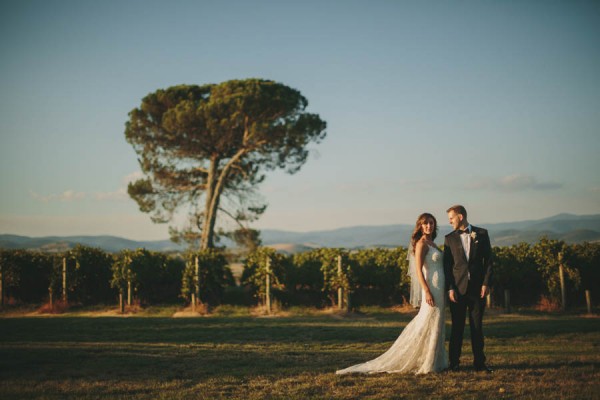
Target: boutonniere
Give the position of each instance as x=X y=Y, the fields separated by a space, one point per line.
x=474 y=236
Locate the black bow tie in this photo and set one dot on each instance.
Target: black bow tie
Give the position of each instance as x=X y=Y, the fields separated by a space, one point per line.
x=465 y=231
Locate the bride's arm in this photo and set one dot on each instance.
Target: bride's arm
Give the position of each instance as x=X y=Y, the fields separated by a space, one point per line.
x=420 y=253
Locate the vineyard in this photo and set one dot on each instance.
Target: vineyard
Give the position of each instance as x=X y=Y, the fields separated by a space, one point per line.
x=530 y=274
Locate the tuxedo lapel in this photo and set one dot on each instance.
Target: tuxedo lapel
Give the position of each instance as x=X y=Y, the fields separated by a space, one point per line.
x=473 y=247
x=459 y=245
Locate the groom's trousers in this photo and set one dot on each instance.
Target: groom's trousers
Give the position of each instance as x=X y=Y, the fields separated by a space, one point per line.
x=475 y=305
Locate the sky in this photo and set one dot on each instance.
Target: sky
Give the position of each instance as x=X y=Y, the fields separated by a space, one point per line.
x=490 y=104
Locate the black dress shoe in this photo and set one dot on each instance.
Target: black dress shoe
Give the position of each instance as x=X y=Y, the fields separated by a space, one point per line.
x=483 y=368
x=454 y=368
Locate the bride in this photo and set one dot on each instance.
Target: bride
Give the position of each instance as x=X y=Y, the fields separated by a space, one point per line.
x=420 y=346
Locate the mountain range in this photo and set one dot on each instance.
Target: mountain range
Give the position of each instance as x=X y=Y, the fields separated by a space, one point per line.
x=568 y=227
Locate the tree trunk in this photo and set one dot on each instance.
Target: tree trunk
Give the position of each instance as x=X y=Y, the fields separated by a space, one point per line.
x=215 y=186
x=206 y=240
x=210 y=221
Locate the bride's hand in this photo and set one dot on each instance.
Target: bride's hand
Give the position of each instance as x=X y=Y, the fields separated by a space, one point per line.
x=429 y=299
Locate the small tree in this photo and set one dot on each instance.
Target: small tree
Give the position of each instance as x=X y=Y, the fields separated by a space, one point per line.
x=121 y=273
x=549 y=255
x=332 y=280
x=213 y=276
x=255 y=271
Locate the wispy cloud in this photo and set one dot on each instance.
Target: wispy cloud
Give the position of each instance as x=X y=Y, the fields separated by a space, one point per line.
x=72 y=195
x=66 y=196
x=512 y=183
x=119 y=194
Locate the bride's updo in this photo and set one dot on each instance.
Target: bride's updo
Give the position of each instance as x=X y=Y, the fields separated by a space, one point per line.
x=418 y=232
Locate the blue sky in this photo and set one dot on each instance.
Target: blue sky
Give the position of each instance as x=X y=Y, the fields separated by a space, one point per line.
x=492 y=104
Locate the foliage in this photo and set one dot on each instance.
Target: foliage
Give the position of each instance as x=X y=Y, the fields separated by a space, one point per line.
x=246 y=238
x=154 y=277
x=255 y=271
x=88 y=275
x=121 y=271
x=305 y=272
x=549 y=254
x=332 y=280
x=515 y=269
x=25 y=275
x=304 y=279
x=585 y=258
x=213 y=276
x=371 y=276
x=381 y=273
x=198 y=143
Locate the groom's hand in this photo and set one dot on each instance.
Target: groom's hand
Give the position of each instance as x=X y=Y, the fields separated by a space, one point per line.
x=484 y=291
x=452 y=295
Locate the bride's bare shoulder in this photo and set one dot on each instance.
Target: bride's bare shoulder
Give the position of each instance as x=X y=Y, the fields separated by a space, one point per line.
x=422 y=246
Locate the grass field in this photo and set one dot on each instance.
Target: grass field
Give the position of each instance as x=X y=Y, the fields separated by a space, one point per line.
x=154 y=356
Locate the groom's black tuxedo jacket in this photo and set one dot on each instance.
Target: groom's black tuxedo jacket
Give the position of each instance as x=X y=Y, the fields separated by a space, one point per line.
x=460 y=272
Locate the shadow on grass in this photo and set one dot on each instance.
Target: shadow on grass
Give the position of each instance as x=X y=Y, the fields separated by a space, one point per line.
x=244 y=357
x=539 y=366
x=264 y=330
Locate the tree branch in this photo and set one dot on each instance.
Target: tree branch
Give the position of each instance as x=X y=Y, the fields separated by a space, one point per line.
x=232 y=217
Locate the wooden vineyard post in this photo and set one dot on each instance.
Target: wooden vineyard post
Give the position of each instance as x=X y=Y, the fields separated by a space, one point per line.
x=488 y=300
x=561 y=271
x=268 y=288
x=128 y=265
x=121 y=302
x=340 y=289
x=51 y=297
x=129 y=291
x=507 y=300
x=64 y=279
x=588 y=300
x=193 y=293
x=196 y=292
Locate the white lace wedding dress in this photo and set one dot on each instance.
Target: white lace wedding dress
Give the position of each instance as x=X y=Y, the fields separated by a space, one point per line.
x=420 y=346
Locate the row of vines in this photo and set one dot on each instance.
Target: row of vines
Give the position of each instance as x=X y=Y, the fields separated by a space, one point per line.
x=88 y=276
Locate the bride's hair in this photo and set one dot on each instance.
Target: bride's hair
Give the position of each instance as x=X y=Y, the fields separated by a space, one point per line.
x=418 y=231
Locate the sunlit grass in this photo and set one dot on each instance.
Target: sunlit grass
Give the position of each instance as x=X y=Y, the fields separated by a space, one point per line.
x=232 y=354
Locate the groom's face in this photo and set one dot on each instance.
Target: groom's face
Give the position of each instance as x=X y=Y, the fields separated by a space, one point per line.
x=455 y=219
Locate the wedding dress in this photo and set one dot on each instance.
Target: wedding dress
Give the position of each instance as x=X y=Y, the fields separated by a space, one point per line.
x=420 y=346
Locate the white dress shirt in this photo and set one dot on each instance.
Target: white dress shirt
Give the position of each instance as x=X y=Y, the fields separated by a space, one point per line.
x=465 y=238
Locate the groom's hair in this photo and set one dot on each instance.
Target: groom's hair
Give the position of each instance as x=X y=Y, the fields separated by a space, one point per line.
x=458 y=209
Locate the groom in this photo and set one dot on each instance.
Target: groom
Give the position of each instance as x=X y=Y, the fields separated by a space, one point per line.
x=468 y=270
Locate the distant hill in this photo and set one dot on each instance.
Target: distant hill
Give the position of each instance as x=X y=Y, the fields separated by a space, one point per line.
x=107 y=243
x=567 y=227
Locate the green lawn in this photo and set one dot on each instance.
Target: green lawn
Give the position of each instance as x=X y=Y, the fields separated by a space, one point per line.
x=239 y=356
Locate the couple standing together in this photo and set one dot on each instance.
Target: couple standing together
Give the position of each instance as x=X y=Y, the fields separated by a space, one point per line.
x=463 y=272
